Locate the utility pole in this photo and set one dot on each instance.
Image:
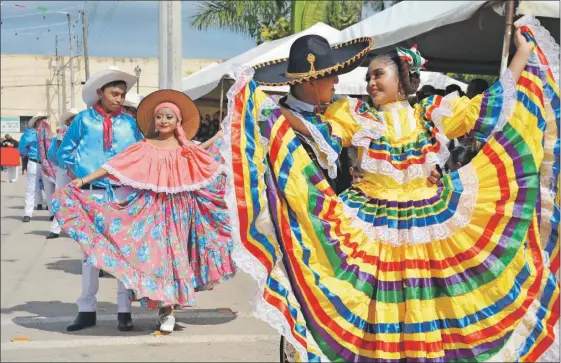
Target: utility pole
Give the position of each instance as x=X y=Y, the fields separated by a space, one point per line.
x=169 y=45
x=70 y=61
x=85 y=44
x=57 y=73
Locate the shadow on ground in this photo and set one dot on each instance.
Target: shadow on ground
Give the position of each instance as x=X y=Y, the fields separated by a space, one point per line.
x=71 y=266
x=144 y=326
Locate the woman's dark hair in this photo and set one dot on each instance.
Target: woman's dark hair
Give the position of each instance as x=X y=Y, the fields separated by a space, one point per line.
x=409 y=81
x=114 y=84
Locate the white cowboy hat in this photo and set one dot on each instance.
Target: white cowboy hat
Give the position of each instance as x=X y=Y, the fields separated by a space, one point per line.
x=132 y=99
x=38 y=115
x=100 y=79
x=68 y=114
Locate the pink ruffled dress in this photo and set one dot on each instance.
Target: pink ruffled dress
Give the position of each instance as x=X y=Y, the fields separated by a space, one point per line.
x=170 y=237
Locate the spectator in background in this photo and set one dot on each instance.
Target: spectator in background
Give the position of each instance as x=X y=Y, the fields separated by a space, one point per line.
x=476 y=87
x=454 y=88
x=8 y=141
x=215 y=124
x=132 y=100
x=29 y=146
x=204 y=130
x=425 y=91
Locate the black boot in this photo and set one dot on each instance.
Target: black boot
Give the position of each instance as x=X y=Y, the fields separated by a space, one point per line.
x=52 y=235
x=39 y=206
x=26 y=219
x=83 y=320
x=125 y=321
x=51 y=218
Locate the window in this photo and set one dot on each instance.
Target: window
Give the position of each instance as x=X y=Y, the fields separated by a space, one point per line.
x=23 y=120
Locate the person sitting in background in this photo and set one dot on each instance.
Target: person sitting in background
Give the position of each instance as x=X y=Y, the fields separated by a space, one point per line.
x=8 y=141
x=476 y=86
x=454 y=88
x=425 y=91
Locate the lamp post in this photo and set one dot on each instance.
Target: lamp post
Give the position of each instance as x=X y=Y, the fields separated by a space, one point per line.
x=137 y=71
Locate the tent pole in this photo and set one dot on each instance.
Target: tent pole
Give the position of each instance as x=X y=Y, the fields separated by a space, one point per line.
x=509 y=10
x=221 y=99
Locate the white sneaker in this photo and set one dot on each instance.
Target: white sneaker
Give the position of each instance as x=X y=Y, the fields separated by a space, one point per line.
x=167 y=324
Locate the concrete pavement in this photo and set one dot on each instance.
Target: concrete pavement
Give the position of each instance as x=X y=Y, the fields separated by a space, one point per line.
x=40 y=282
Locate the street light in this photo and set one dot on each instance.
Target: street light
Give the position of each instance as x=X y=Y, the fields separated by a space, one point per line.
x=137 y=71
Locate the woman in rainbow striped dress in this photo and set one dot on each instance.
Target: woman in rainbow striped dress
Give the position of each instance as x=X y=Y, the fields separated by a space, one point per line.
x=394 y=269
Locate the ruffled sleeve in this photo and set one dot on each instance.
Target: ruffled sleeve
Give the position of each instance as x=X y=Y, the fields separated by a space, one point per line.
x=145 y=166
x=480 y=116
x=336 y=128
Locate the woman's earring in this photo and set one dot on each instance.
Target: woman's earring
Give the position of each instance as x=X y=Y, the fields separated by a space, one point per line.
x=400 y=96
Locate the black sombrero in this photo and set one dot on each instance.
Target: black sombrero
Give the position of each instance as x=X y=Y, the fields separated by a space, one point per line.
x=311 y=57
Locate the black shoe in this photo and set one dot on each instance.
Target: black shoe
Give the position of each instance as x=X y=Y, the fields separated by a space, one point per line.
x=52 y=235
x=83 y=320
x=125 y=321
x=51 y=218
x=100 y=273
x=26 y=219
x=39 y=207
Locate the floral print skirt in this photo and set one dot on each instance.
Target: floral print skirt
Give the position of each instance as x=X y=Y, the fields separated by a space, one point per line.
x=164 y=247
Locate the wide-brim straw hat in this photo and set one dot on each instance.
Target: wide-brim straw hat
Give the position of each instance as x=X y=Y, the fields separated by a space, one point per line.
x=68 y=114
x=132 y=99
x=189 y=111
x=100 y=79
x=38 y=115
x=311 y=58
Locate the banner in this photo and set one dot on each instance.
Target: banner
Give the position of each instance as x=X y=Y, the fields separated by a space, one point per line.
x=9 y=124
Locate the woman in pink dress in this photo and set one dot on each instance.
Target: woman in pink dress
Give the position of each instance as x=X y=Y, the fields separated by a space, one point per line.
x=171 y=236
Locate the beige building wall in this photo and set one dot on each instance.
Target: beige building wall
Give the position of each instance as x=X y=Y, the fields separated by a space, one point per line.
x=29 y=84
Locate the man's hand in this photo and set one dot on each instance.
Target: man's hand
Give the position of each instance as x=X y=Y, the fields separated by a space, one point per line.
x=433 y=178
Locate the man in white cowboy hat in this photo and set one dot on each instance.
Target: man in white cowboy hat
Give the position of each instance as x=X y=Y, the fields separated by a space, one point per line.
x=94 y=136
x=29 y=147
x=62 y=177
x=132 y=100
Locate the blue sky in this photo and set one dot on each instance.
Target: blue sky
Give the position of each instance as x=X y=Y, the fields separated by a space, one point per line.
x=116 y=29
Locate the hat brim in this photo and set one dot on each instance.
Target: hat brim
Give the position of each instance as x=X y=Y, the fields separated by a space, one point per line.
x=347 y=57
x=98 y=80
x=68 y=114
x=188 y=108
x=33 y=120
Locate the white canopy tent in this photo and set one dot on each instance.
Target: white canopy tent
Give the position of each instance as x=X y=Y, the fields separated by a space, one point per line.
x=455 y=36
x=353 y=83
x=204 y=81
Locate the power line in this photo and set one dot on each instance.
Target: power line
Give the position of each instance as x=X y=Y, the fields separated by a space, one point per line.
x=41 y=13
x=107 y=18
x=34 y=27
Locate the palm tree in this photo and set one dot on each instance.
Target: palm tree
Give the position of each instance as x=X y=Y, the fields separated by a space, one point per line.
x=265 y=20
x=240 y=16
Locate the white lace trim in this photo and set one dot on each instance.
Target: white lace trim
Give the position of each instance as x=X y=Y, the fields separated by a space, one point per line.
x=509 y=101
x=371 y=129
x=375 y=128
x=159 y=189
x=415 y=171
x=418 y=235
x=321 y=147
x=546 y=42
x=512 y=350
x=241 y=256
